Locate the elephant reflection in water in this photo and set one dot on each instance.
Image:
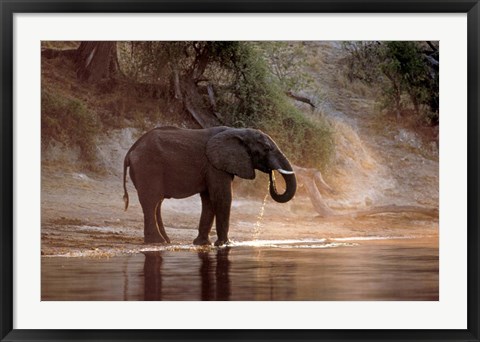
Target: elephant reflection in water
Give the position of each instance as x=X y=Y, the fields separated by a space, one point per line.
x=152 y=271
x=211 y=289
x=222 y=289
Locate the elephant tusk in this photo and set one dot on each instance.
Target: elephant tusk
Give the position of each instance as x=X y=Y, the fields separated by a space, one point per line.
x=285 y=172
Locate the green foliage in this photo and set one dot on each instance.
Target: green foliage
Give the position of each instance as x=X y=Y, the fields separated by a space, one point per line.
x=406 y=66
x=306 y=143
x=68 y=121
x=249 y=88
x=260 y=102
x=406 y=72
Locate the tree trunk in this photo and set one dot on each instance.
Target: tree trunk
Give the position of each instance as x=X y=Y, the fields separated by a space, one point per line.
x=195 y=103
x=96 y=60
x=307 y=178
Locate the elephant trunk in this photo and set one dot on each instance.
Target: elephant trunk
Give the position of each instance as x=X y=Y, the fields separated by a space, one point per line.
x=288 y=175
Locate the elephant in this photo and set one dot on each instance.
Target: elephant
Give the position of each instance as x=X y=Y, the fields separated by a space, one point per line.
x=170 y=162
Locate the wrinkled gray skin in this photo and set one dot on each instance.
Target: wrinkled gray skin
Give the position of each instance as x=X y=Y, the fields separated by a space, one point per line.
x=170 y=162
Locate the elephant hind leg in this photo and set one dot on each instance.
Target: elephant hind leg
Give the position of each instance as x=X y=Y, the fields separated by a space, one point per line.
x=159 y=223
x=152 y=222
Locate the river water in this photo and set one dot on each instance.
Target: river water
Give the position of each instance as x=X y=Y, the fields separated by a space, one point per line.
x=266 y=270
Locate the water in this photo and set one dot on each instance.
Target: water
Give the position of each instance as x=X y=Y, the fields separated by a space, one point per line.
x=271 y=270
x=256 y=227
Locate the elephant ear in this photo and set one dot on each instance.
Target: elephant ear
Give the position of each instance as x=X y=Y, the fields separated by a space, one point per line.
x=227 y=152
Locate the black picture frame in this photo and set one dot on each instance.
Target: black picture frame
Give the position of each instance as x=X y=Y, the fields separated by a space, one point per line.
x=10 y=7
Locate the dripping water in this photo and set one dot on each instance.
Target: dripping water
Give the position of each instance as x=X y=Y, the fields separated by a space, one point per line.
x=256 y=227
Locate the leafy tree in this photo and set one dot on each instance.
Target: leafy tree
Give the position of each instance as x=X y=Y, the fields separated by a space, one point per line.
x=363 y=58
x=402 y=69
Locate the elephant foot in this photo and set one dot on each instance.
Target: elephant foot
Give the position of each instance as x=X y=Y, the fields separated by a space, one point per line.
x=201 y=241
x=223 y=243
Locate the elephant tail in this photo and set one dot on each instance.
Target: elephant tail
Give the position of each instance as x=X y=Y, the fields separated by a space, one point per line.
x=126 y=164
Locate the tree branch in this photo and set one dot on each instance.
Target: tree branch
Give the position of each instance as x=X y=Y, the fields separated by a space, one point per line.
x=300 y=98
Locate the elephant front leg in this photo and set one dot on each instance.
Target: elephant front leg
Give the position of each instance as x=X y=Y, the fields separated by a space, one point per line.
x=206 y=221
x=222 y=205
